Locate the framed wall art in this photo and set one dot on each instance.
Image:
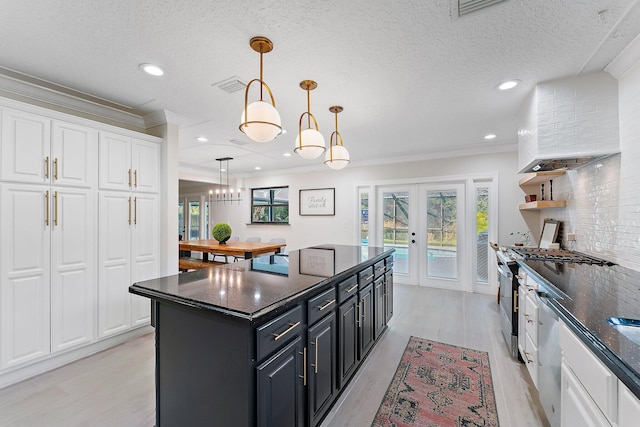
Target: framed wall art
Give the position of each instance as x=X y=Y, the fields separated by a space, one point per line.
x=318 y=201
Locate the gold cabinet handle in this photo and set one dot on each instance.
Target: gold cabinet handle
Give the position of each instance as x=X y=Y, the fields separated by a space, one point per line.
x=135 y=210
x=55 y=199
x=135 y=178
x=352 y=288
x=515 y=301
x=129 y=178
x=526 y=356
x=46 y=207
x=304 y=367
x=55 y=168
x=322 y=307
x=291 y=327
x=46 y=167
x=129 y=210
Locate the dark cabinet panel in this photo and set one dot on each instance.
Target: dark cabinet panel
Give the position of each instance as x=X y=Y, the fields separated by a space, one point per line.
x=388 y=292
x=321 y=366
x=280 y=394
x=380 y=319
x=347 y=340
x=366 y=332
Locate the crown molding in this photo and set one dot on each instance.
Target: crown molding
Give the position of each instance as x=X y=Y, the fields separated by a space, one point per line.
x=28 y=89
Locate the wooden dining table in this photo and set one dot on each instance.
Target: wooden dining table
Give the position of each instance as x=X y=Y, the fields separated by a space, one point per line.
x=236 y=248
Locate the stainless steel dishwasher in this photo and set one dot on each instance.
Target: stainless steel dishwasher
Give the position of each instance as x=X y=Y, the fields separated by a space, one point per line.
x=549 y=359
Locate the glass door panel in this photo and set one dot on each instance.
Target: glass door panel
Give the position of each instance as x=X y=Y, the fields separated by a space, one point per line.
x=482 y=235
x=442 y=225
x=194 y=220
x=181 y=229
x=395 y=229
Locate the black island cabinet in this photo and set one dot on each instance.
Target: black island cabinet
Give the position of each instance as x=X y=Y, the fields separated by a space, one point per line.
x=270 y=341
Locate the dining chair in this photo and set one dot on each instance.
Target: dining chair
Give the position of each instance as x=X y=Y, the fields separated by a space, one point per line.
x=226 y=257
x=248 y=239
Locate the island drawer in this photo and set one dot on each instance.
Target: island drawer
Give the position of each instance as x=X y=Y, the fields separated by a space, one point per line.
x=378 y=269
x=321 y=305
x=347 y=288
x=365 y=277
x=278 y=332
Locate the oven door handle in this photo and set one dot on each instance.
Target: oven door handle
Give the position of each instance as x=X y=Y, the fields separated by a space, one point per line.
x=504 y=272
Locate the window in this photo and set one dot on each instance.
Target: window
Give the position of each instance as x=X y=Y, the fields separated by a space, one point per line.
x=270 y=205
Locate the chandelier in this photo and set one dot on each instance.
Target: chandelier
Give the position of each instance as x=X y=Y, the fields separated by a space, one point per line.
x=224 y=193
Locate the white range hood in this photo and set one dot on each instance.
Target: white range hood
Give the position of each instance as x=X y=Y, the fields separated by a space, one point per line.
x=569 y=122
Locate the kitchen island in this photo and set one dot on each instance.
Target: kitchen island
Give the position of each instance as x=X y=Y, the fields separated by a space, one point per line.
x=270 y=341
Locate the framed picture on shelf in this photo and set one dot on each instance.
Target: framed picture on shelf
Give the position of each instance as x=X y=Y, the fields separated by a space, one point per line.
x=318 y=201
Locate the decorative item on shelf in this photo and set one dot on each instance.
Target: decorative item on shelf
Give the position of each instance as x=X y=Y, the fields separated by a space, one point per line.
x=524 y=235
x=337 y=157
x=224 y=193
x=530 y=198
x=309 y=142
x=221 y=232
x=260 y=120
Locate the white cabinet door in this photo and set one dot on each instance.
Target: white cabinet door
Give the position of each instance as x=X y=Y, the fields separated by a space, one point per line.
x=577 y=407
x=74 y=155
x=25 y=147
x=114 y=262
x=115 y=162
x=628 y=407
x=24 y=273
x=73 y=258
x=145 y=252
x=522 y=321
x=146 y=166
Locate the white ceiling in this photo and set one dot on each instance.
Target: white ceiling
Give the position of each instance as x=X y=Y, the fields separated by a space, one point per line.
x=415 y=80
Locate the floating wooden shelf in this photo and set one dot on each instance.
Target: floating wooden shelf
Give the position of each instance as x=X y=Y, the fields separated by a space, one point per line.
x=540 y=177
x=543 y=204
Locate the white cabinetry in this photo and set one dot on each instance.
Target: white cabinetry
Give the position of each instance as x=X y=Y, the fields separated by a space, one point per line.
x=128 y=164
x=129 y=229
x=528 y=305
x=48 y=226
x=628 y=407
x=69 y=252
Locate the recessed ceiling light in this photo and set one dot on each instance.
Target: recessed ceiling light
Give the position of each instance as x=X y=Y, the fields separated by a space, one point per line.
x=202 y=139
x=284 y=131
x=490 y=136
x=223 y=170
x=287 y=154
x=509 y=84
x=154 y=70
x=257 y=168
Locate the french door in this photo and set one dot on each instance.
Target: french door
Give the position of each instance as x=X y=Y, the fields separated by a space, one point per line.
x=439 y=231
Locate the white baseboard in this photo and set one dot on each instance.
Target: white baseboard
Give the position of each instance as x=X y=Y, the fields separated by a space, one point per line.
x=53 y=361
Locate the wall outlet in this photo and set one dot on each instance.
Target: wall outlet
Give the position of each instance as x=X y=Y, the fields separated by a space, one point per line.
x=571 y=237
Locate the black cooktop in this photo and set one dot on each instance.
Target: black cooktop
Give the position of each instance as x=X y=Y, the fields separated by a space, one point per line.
x=558 y=255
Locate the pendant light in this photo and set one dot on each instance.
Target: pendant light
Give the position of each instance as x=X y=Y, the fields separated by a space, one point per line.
x=310 y=142
x=337 y=156
x=260 y=119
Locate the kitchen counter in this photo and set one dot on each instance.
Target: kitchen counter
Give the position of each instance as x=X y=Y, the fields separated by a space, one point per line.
x=268 y=341
x=585 y=296
x=252 y=288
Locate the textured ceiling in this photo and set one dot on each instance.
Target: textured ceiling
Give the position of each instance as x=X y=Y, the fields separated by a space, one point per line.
x=415 y=80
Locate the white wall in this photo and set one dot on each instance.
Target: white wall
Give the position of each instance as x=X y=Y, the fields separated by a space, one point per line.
x=604 y=198
x=304 y=231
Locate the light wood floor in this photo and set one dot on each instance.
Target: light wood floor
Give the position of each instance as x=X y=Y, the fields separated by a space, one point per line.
x=116 y=386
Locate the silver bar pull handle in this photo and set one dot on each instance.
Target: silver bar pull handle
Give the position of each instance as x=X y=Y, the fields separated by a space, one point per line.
x=328 y=304
x=351 y=289
x=304 y=367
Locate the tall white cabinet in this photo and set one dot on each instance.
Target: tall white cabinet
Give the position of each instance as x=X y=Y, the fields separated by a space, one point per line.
x=129 y=241
x=69 y=248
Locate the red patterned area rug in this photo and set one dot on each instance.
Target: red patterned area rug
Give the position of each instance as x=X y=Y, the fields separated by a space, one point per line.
x=440 y=385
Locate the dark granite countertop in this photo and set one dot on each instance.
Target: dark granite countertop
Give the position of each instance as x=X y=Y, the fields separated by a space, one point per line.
x=588 y=296
x=254 y=287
